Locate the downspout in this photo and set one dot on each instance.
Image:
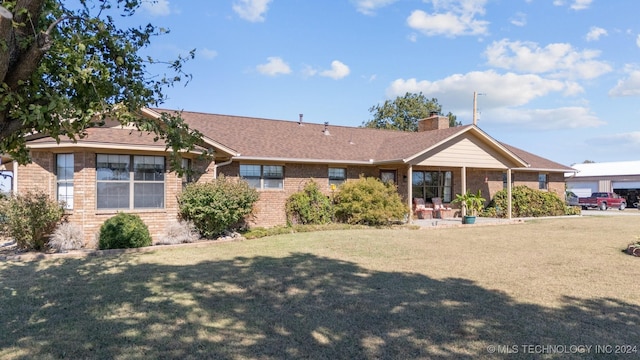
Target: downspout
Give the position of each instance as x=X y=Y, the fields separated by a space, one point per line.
x=216 y=166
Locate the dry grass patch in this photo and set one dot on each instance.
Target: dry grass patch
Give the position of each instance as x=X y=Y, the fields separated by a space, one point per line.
x=365 y=294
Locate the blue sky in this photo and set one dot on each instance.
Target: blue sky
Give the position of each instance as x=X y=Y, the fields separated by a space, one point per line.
x=559 y=78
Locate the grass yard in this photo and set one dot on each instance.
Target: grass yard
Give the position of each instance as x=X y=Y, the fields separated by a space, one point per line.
x=352 y=294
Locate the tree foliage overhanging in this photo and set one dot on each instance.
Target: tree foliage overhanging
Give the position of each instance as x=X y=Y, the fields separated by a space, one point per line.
x=67 y=65
x=404 y=112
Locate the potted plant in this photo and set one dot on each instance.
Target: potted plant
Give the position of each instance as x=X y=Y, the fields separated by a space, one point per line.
x=473 y=203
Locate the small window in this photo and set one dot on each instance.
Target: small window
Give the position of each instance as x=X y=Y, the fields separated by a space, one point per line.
x=64 y=179
x=388 y=176
x=543 y=181
x=186 y=176
x=337 y=177
x=504 y=180
x=263 y=176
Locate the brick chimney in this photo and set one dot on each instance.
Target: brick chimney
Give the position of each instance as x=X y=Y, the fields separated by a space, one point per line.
x=433 y=122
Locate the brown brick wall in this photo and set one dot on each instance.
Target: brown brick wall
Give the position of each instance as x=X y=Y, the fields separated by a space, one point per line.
x=269 y=210
x=40 y=175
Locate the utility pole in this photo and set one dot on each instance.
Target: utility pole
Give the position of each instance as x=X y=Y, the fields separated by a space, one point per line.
x=475 y=108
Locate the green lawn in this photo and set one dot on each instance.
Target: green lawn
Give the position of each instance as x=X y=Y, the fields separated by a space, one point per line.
x=349 y=294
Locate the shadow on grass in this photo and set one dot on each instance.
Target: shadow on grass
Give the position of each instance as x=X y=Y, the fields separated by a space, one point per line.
x=301 y=306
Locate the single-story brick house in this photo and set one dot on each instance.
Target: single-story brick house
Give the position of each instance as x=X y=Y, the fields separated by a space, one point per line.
x=116 y=169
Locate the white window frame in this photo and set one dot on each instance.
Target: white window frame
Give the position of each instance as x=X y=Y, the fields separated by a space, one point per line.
x=64 y=179
x=139 y=172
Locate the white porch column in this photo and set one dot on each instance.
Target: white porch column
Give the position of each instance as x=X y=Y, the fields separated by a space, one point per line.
x=509 y=202
x=410 y=192
x=463 y=180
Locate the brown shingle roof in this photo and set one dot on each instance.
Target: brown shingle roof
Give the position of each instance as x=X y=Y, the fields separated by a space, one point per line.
x=537 y=162
x=255 y=137
x=280 y=139
x=107 y=135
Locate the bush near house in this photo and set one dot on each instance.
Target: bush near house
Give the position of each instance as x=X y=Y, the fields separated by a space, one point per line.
x=369 y=201
x=30 y=218
x=527 y=202
x=67 y=236
x=124 y=231
x=309 y=207
x=216 y=206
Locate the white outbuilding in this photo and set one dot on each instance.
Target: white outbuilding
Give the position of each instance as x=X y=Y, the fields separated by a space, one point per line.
x=621 y=177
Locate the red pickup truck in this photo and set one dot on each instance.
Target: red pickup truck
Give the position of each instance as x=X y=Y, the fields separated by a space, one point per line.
x=603 y=201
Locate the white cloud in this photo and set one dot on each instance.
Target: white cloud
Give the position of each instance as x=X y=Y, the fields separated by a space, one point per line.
x=581 y=4
x=338 y=70
x=208 y=53
x=251 y=10
x=506 y=94
x=274 y=66
x=451 y=18
x=504 y=90
x=626 y=140
x=595 y=33
x=575 y=5
x=629 y=86
x=156 y=8
x=368 y=7
x=520 y=19
x=638 y=41
x=557 y=59
x=572 y=117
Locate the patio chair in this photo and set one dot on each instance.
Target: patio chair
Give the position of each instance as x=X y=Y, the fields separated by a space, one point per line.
x=440 y=210
x=421 y=209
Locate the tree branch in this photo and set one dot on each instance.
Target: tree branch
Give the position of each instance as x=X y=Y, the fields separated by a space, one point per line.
x=6 y=40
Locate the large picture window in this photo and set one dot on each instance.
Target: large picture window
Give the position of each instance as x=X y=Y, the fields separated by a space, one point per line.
x=122 y=186
x=64 y=179
x=263 y=176
x=430 y=184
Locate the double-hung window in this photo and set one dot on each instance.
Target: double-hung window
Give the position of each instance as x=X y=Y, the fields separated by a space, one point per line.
x=263 y=176
x=543 y=181
x=123 y=186
x=337 y=176
x=64 y=179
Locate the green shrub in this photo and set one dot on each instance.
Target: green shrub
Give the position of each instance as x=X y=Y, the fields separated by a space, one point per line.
x=527 y=202
x=369 y=201
x=124 y=231
x=216 y=206
x=30 y=218
x=309 y=206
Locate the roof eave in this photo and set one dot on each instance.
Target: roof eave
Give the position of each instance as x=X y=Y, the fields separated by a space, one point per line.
x=300 y=160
